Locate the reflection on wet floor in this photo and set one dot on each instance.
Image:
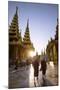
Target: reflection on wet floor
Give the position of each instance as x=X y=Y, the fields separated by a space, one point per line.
x=32 y=82
x=31 y=76
x=48 y=80
x=24 y=77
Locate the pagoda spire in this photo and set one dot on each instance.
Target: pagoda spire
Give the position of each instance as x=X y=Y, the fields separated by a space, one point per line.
x=16 y=10
x=27 y=44
x=28 y=24
x=14 y=29
x=26 y=40
x=15 y=39
x=57 y=27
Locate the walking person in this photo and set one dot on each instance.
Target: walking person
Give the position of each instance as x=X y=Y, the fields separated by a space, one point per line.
x=36 y=69
x=43 y=68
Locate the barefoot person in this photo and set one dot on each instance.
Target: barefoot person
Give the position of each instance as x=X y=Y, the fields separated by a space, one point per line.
x=43 y=68
x=36 y=68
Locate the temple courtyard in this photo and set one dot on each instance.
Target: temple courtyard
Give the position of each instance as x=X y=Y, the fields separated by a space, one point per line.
x=23 y=77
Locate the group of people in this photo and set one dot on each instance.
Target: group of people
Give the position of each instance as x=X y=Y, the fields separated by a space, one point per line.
x=36 y=62
x=36 y=67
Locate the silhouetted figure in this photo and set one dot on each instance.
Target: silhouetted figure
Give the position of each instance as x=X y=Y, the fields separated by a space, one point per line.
x=43 y=69
x=36 y=69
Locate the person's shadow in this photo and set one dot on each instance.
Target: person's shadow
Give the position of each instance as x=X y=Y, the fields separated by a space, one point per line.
x=46 y=82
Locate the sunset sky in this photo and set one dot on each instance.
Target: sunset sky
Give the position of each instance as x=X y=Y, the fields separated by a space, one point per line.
x=42 y=21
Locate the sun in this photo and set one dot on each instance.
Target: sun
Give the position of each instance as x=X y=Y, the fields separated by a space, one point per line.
x=32 y=53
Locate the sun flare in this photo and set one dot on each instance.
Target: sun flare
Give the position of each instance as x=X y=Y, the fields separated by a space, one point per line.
x=32 y=53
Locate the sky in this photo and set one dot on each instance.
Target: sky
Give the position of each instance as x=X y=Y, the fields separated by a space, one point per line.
x=42 y=21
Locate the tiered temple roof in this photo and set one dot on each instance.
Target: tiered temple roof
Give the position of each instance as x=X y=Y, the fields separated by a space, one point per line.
x=56 y=36
x=52 y=47
x=20 y=48
x=26 y=40
x=14 y=35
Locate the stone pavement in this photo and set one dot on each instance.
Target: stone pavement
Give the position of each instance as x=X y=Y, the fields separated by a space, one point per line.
x=24 y=77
